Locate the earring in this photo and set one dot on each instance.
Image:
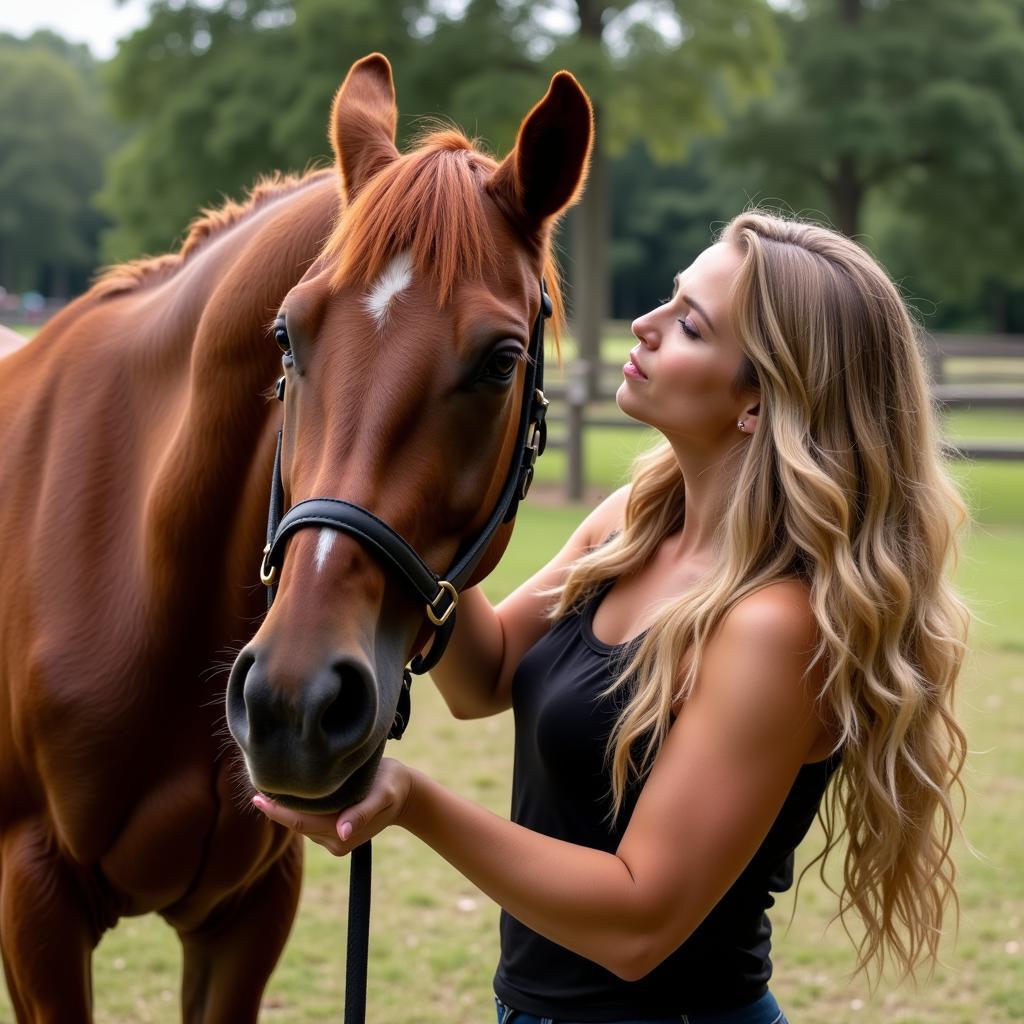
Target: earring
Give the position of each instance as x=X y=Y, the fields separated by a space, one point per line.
x=741 y=424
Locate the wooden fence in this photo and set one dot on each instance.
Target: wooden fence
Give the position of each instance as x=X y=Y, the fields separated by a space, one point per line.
x=992 y=378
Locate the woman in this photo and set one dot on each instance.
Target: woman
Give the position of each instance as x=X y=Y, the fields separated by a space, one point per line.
x=764 y=604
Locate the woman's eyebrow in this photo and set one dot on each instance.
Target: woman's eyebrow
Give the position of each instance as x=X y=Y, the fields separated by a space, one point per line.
x=690 y=301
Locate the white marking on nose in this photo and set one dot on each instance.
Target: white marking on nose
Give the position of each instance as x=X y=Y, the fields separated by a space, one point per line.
x=324 y=545
x=396 y=278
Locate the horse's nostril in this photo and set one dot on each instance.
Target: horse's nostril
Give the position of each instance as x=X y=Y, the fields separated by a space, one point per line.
x=349 y=709
x=236 y=710
x=349 y=717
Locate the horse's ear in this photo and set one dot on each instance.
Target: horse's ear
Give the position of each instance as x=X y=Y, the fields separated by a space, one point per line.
x=363 y=120
x=546 y=170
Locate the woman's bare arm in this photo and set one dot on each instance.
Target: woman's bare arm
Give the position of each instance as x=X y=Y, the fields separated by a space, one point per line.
x=488 y=642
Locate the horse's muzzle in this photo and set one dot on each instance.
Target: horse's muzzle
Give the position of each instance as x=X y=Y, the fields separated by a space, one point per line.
x=306 y=740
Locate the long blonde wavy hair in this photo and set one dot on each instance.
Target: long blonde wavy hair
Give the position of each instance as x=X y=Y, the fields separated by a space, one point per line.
x=844 y=485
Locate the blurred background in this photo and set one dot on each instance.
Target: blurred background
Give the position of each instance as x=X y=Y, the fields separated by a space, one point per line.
x=898 y=122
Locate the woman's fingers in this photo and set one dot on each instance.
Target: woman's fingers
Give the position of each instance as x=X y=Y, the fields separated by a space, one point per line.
x=318 y=827
x=361 y=821
x=355 y=825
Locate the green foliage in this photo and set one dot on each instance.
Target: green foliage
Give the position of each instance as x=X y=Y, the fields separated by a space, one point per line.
x=52 y=135
x=663 y=216
x=669 y=82
x=907 y=110
x=205 y=86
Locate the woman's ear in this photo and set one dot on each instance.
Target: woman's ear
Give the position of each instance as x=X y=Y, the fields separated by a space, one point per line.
x=747 y=422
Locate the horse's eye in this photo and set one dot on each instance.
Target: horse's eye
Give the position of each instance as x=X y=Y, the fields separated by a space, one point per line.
x=501 y=366
x=281 y=335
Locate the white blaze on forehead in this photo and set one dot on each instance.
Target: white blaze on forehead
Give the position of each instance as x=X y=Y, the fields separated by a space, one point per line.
x=324 y=545
x=396 y=278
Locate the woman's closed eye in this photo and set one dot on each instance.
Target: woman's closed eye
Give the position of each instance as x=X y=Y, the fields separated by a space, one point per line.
x=688 y=329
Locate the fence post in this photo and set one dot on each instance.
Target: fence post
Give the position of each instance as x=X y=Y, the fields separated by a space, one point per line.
x=576 y=387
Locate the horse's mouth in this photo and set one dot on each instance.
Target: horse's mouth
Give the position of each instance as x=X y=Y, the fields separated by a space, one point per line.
x=350 y=792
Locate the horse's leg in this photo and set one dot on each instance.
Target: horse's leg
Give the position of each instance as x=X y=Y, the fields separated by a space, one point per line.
x=46 y=933
x=227 y=963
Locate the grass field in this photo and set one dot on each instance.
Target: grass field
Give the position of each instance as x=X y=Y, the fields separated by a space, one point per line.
x=434 y=937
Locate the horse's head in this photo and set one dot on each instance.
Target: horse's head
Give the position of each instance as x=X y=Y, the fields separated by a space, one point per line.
x=405 y=359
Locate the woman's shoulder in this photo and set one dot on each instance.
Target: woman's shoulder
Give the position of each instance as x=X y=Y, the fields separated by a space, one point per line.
x=759 y=673
x=608 y=518
x=780 y=610
x=769 y=637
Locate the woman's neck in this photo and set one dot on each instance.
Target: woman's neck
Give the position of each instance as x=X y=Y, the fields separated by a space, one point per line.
x=709 y=480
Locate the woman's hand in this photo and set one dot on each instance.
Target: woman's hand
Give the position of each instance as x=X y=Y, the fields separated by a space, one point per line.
x=342 y=833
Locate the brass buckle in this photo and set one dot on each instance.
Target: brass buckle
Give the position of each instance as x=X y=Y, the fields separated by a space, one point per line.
x=444 y=587
x=268 y=576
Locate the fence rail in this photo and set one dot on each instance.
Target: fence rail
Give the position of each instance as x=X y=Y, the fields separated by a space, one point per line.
x=573 y=411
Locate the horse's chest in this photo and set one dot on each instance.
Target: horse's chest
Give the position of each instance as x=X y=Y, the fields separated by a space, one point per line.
x=190 y=845
x=155 y=858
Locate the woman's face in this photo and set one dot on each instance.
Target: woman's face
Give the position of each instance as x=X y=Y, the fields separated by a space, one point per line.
x=680 y=376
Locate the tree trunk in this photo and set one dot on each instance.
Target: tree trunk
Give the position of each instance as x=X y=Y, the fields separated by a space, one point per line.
x=591 y=229
x=59 y=282
x=999 y=308
x=850 y=11
x=589 y=277
x=847 y=192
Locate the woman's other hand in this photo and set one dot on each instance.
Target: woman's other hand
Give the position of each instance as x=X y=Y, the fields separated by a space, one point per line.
x=341 y=833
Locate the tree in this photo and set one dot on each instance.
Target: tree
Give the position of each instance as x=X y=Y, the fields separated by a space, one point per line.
x=902 y=118
x=663 y=215
x=52 y=136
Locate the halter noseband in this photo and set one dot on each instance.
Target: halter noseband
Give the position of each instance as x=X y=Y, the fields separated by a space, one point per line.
x=440 y=595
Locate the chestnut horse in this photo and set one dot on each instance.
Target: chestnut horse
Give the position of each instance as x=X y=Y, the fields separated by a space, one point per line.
x=139 y=431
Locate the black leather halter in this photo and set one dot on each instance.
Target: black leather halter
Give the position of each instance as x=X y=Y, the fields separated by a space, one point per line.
x=440 y=595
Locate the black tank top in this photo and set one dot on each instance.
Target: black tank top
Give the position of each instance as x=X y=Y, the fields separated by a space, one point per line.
x=561 y=789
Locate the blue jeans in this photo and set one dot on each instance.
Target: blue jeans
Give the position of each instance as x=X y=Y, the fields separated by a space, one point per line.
x=764 y=1011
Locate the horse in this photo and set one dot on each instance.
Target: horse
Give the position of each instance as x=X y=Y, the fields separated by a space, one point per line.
x=139 y=434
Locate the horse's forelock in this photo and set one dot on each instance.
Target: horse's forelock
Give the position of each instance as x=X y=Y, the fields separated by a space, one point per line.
x=429 y=203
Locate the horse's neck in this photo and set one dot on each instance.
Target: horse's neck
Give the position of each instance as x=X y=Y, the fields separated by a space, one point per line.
x=209 y=497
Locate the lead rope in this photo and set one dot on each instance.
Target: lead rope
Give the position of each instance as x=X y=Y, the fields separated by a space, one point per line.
x=358 y=951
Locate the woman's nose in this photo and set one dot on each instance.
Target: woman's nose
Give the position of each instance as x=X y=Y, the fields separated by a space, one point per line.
x=644 y=332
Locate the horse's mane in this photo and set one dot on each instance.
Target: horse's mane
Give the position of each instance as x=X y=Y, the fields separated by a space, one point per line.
x=127 y=276
x=429 y=203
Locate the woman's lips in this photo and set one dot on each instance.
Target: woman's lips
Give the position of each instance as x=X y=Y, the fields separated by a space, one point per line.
x=632 y=369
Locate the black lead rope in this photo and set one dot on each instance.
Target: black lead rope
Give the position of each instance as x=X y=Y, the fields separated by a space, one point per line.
x=358 y=951
x=440 y=597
